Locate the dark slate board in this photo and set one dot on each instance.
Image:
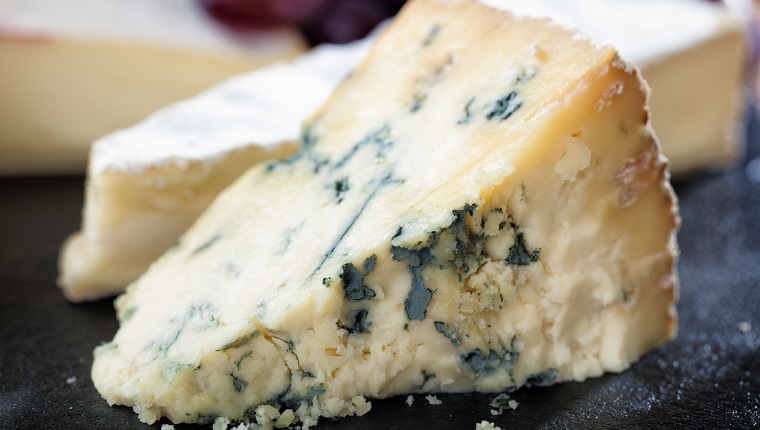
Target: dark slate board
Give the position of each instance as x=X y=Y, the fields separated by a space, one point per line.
x=709 y=377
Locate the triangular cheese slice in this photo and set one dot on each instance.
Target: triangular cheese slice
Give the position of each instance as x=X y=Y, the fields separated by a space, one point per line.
x=480 y=206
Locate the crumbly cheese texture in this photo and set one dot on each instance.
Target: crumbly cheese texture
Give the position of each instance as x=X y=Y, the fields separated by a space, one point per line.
x=482 y=205
x=147 y=184
x=74 y=71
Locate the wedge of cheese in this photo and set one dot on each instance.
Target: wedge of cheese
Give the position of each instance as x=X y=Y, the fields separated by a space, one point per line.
x=73 y=71
x=480 y=206
x=148 y=183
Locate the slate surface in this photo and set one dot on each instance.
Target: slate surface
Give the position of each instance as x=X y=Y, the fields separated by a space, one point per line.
x=709 y=377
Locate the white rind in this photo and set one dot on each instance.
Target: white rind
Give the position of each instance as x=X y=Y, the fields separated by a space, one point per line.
x=264 y=107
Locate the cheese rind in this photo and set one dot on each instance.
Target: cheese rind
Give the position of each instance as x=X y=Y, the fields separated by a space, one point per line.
x=148 y=183
x=481 y=206
x=75 y=71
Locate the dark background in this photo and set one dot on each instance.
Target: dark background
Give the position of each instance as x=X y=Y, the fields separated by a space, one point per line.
x=708 y=377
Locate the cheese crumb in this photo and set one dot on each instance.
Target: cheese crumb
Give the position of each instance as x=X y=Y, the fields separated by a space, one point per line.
x=501 y=402
x=220 y=423
x=433 y=400
x=266 y=414
x=361 y=404
x=73 y=379
x=167 y=427
x=285 y=419
x=409 y=400
x=745 y=327
x=486 y=425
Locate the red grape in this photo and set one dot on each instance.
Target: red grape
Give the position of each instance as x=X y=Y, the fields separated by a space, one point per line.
x=243 y=14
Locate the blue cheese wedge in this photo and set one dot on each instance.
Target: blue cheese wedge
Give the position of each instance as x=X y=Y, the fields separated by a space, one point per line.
x=74 y=71
x=482 y=205
x=148 y=183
